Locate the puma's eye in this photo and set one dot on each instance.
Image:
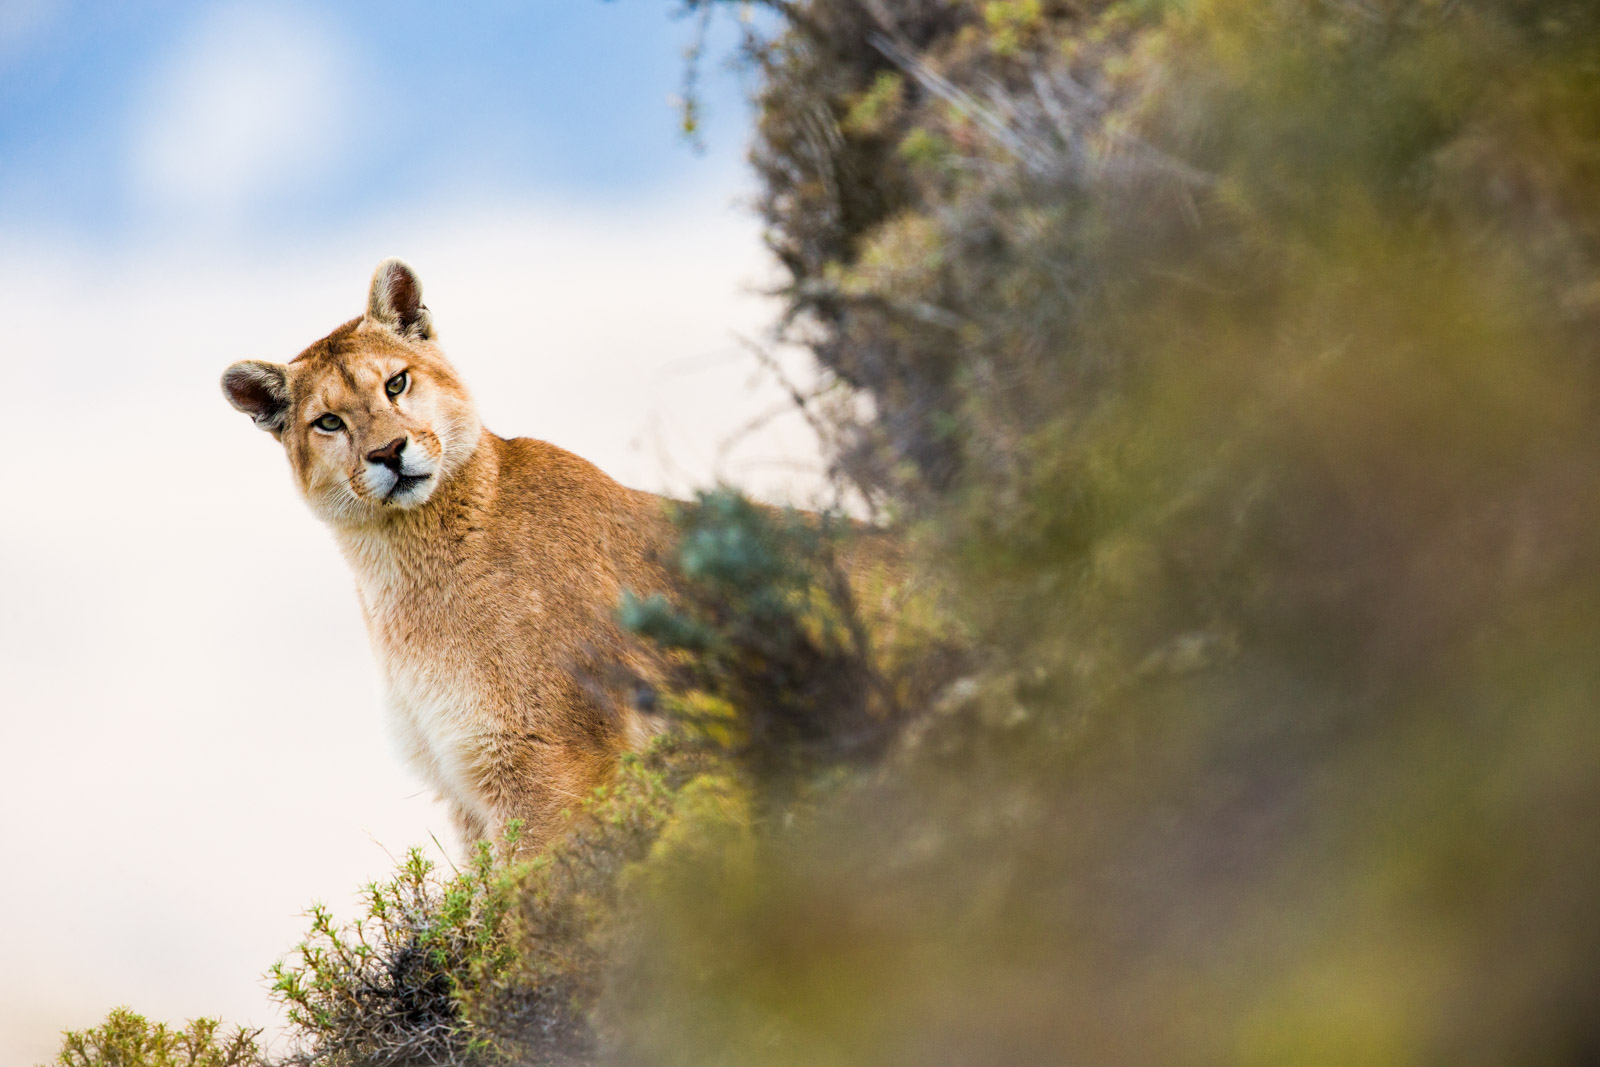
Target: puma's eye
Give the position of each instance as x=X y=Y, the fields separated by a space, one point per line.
x=397 y=385
x=329 y=423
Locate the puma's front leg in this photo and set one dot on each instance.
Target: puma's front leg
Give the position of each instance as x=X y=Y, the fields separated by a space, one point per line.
x=470 y=828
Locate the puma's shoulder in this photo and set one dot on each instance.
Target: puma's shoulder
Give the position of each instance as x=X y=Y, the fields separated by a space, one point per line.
x=552 y=492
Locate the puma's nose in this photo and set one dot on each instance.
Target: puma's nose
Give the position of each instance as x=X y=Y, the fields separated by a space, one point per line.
x=389 y=454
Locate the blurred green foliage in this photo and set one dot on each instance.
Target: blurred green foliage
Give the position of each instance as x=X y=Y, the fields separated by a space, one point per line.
x=1234 y=361
x=775 y=664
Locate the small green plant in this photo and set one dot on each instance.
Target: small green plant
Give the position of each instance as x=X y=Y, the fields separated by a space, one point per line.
x=387 y=989
x=127 y=1039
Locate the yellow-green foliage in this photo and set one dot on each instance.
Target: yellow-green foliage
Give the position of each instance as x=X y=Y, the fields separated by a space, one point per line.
x=1011 y=23
x=126 y=1039
x=873 y=109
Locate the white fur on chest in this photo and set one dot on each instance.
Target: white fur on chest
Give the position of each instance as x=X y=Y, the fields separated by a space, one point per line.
x=436 y=721
x=436 y=713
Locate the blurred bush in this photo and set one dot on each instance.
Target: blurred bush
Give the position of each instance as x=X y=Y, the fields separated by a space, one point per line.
x=1234 y=361
x=775 y=664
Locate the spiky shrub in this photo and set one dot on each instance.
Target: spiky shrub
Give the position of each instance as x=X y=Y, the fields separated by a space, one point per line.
x=386 y=989
x=127 y=1039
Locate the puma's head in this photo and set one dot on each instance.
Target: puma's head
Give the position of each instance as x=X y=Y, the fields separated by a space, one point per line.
x=372 y=416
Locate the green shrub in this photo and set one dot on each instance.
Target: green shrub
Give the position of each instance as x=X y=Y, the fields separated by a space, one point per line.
x=126 y=1039
x=387 y=988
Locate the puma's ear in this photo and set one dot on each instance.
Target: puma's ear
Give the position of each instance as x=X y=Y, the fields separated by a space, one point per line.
x=260 y=390
x=396 y=301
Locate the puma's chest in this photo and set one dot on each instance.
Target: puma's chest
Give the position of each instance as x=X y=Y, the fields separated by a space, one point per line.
x=439 y=721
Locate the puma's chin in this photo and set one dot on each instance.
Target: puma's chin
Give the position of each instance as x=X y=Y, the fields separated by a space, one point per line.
x=384 y=490
x=364 y=501
x=410 y=490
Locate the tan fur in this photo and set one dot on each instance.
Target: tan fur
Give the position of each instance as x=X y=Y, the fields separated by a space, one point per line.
x=488 y=577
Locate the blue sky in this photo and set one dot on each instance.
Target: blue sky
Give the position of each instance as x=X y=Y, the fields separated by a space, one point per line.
x=345 y=109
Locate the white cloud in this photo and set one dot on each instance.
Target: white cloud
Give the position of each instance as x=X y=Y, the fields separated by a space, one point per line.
x=254 y=102
x=191 y=749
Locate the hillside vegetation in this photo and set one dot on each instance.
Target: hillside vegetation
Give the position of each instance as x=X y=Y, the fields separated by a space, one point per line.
x=1229 y=369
